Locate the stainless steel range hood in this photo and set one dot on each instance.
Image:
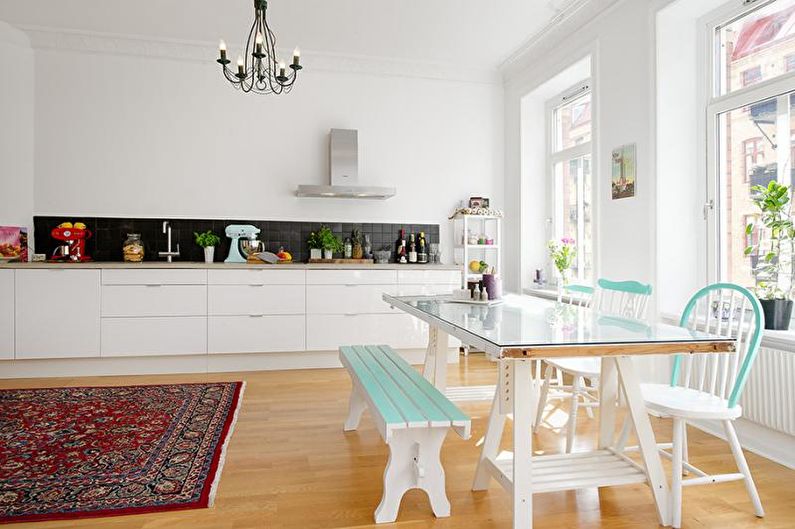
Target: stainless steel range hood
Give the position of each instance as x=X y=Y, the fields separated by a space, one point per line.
x=344 y=166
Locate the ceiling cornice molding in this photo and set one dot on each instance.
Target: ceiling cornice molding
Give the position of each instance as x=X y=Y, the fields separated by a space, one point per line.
x=573 y=15
x=47 y=38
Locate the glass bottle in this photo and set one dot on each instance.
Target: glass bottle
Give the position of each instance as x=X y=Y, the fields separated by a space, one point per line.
x=348 y=248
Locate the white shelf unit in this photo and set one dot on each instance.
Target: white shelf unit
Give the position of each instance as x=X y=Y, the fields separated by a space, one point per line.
x=489 y=225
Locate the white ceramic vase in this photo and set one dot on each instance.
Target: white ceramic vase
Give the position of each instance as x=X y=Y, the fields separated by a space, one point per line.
x=209 y=254
x=315 y=253
x=328 y=254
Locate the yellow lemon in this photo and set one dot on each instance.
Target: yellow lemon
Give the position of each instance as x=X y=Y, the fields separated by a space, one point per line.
x=474 y=266
x=65 y=225
x=79 y=226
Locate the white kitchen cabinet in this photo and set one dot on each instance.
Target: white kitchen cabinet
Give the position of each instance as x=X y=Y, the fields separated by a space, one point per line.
x=351 y=277
x=154 y=300
x=327 y=332
x=347 y=299
x=255 y=299
x=256 y=334
x=6 y=314
x=57 y=313
x=154 y=276
x=256 y=276
x=154 y=336
x=429 y=277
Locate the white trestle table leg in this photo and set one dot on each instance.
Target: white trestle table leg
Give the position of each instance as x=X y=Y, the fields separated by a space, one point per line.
x=435 y=368
x=494 y=429
x=355 y=409
x=608 y=394
x=636 y=408
x=521 y=383
x=414 y=463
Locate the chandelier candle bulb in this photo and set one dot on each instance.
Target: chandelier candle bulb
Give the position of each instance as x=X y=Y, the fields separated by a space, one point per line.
x=297 y=57
x=281 y=69
x=222 y=49
x=258 y=47
x=240 y=71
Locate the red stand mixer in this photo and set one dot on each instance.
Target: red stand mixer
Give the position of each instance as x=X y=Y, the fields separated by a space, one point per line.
x=75 y=248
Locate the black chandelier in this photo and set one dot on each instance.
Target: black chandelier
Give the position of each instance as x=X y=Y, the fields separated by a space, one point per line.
x=259 y=70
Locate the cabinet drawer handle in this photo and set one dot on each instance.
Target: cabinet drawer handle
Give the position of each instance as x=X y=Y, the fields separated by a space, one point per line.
x=351 y=314
x=256 y=284
x=351 y=285
x=155 y=285
x=256 y=315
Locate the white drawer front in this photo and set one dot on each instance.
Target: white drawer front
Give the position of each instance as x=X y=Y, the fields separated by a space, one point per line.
x=6 y=314
x=425 y=277
x=156 y=300
x=351 y=277
x=245 y=300
x=153 y=336
x=347 y=299
x=264 y=334
x=400 y=330
x=426 y=290
x=154 y=277
x=256 y=276
x=57 y=313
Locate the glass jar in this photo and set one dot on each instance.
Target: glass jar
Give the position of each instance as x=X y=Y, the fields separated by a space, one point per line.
x=348 y=248
x=133 y=248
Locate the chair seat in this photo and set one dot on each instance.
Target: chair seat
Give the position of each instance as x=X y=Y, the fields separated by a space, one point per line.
x=585 y=366
x=686 y=403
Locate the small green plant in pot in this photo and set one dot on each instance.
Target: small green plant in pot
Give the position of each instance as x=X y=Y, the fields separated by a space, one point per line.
x=207 y=240
x=773 y=255
x=325 y=240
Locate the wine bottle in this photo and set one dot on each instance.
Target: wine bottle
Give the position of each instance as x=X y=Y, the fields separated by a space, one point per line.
x=412 y=249
x=399 y=244
x=422 y=252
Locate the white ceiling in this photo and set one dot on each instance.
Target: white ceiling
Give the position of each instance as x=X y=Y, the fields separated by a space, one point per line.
x=475 y=33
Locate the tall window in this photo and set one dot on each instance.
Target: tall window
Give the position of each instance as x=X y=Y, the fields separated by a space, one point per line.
x=569 y=117
x=752 y=125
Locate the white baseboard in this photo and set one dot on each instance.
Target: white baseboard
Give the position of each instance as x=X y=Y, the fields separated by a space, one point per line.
x=162 y=365
x=770 y=444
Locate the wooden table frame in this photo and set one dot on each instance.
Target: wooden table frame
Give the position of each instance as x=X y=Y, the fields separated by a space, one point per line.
x=523 y=474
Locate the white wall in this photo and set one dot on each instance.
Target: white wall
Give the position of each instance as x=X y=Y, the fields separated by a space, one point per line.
x=16 y=131
x=133 y=135
x=620 y=42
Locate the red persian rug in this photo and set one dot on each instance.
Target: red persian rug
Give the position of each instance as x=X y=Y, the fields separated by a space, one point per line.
x=107 y=451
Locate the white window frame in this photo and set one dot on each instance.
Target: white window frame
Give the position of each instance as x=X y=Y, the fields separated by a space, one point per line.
x=554 y=157
x=718 y=104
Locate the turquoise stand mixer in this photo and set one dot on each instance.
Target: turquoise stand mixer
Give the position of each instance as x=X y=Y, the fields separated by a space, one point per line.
x=244 y=242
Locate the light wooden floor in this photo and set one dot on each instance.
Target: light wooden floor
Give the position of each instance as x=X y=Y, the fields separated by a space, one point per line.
x=289 y=465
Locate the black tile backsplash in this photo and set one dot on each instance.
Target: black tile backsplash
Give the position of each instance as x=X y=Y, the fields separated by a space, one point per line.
x=110 y=233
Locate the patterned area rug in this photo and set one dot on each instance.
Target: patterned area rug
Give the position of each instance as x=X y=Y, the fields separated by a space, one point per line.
x=107 y=451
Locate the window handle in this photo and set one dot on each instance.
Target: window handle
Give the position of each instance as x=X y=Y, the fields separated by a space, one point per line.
x=709 y=206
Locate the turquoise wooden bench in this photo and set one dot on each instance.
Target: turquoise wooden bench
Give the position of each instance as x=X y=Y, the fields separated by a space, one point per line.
x=412 y=417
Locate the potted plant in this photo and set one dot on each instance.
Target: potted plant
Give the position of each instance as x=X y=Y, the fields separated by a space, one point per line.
x=773 y=254
x=315 y=246
x=207 y=240
x=562 y=254
x=329 y=242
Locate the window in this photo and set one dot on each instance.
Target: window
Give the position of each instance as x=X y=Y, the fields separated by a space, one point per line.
x=570 y=129
x=754 y=150
x=752 y=75
x=752 y=128
x=789 y=63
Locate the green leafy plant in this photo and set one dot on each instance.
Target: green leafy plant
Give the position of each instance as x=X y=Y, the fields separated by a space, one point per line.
x=206 y=239
x=324 y=239
x=562 y=254
x=773 y=254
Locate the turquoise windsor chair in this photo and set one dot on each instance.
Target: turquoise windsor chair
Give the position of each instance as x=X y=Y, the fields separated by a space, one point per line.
x=708 y=386
x=624 y=299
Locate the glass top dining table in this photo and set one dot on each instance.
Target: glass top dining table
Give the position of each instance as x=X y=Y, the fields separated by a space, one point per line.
x=527 y=326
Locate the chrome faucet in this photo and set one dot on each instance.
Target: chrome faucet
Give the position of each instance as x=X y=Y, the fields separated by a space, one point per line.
x=168 y=254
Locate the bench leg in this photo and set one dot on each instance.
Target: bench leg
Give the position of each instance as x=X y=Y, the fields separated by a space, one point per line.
x=355 y=410
x=414 y=463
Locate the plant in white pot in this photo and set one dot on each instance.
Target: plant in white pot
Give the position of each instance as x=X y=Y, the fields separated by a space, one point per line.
x=315 y=246
x=207 y=240
x=773 y=254
x=329 y=242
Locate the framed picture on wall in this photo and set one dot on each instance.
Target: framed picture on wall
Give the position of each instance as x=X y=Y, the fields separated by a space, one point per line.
x=624 y=171
x=478 y=202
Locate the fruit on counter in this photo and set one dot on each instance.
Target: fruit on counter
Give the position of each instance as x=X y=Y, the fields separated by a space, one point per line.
x=284 y=255
x=66 y=225
x=478 y=266
x=79 y=226
x=10 y=250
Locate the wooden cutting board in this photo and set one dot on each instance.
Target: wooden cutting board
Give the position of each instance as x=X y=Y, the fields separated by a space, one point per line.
x=341 y=261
